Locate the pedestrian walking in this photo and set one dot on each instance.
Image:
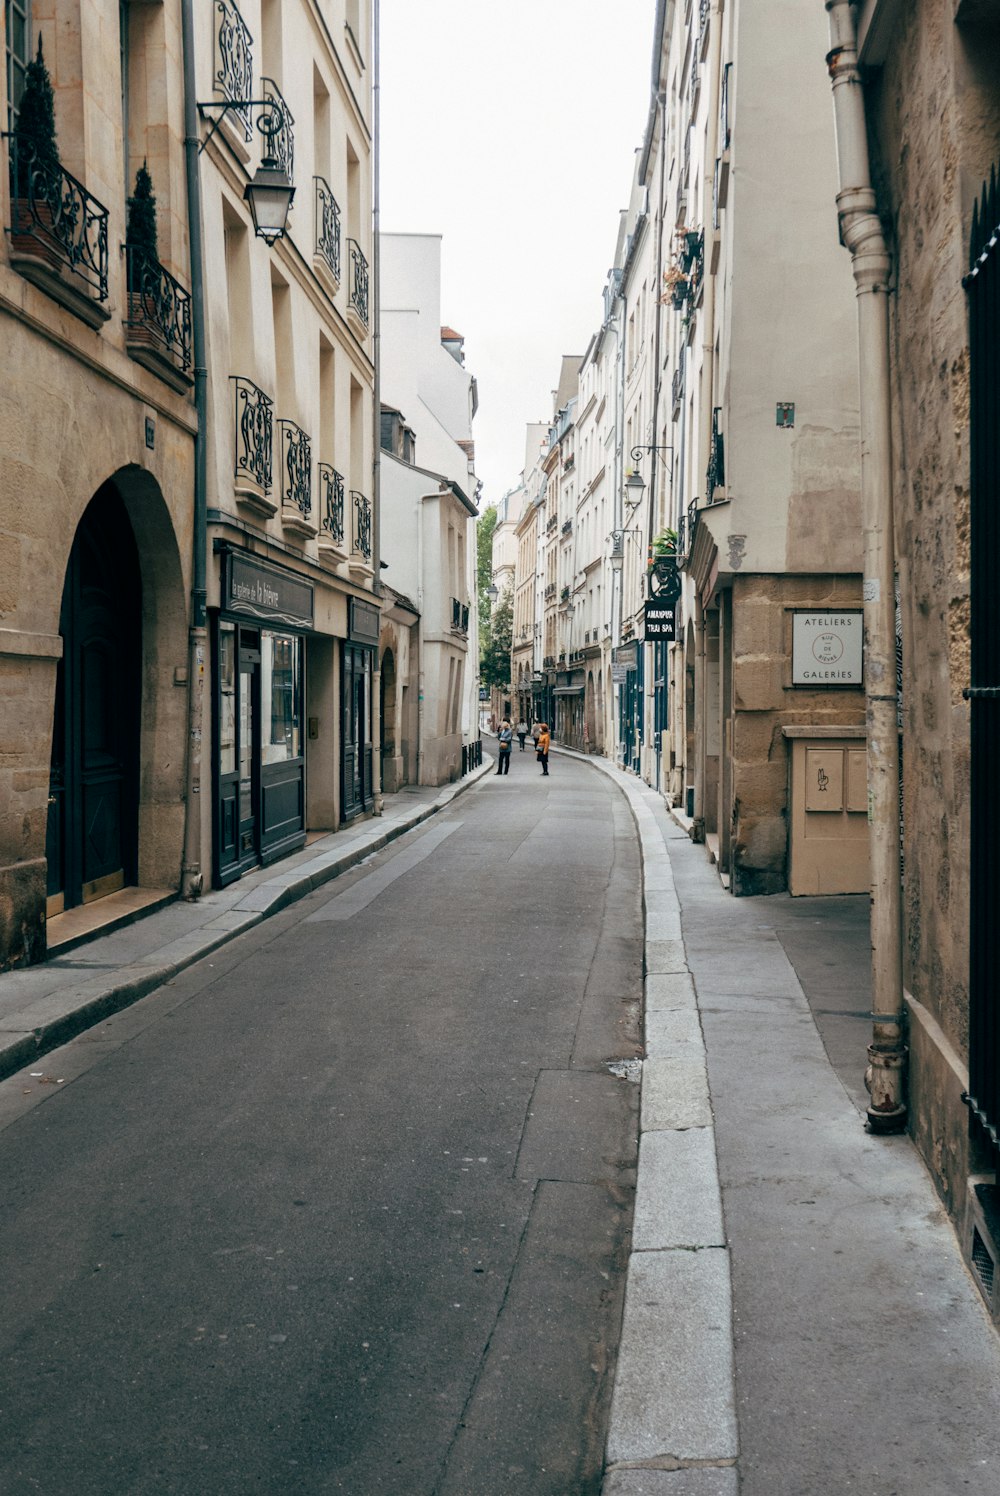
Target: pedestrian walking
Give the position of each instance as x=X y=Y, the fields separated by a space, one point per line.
x=506 y=738
x=536 y=728
x=542 y=753
x=522 y=732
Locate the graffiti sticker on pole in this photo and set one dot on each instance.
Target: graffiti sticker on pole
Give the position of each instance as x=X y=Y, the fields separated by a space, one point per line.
x=826 y=648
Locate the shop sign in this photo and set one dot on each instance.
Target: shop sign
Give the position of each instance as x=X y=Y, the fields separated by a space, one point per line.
x=260 y=591
x=363 y=627
x=660 y=620
x=626 y=655
x=827 y=648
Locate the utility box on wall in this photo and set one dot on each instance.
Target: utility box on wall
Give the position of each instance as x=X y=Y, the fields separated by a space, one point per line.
x=828 y=795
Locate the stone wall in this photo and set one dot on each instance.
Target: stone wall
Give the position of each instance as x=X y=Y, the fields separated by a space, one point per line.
x=765 y=701
x=934 y=125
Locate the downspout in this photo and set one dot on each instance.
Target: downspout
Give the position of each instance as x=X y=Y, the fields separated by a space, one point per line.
x=861 y=233
x=192 y=877
x=420 y=638
x=375 y=310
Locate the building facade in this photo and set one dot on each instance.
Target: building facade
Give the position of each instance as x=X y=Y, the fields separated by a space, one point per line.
x=429 y=497
x=189 y=614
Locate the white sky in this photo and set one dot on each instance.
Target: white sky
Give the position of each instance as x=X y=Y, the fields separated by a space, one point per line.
x=510 y=127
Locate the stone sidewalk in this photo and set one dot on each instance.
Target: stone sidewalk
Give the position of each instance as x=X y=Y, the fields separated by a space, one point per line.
x=44 y=1006
x=798 y=1319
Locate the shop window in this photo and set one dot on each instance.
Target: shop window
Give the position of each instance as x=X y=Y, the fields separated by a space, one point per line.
x=281 y=676
x=227 y=698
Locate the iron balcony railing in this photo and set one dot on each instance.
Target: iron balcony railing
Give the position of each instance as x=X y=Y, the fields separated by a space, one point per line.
x=159 y=308
x=715 y=476
x=327 y=226
x=456 y=613
x=567 y=526
x=464 y=622
x=55 y=219
x=278 y=126
x=254 y=432
x=331 y=501
x=234 y=72
x=362 y=524
x=358 y=292
x=296 y=467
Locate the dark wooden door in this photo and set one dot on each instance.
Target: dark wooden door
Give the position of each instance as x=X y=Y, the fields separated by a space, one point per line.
x=356 y=739
x=93 y=795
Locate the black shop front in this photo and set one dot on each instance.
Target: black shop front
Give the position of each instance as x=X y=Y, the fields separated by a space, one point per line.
x=357 y=664
x=259 y=762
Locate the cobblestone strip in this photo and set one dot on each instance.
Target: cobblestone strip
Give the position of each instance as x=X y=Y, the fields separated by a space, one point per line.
x=673 y=1425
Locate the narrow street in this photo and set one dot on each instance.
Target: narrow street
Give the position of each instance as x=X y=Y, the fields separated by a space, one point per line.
x=345 y=1206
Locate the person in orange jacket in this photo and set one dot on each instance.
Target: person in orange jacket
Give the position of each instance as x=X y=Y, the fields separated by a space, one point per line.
x=544 y=739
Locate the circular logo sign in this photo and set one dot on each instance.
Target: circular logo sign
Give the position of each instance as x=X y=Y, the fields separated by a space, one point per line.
x=828 y=648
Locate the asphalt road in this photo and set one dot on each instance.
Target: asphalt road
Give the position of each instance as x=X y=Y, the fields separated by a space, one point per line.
x=345 y=1207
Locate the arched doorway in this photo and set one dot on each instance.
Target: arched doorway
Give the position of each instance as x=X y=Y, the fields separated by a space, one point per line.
x=92 y=830
x=388 y=709
x=590 y=719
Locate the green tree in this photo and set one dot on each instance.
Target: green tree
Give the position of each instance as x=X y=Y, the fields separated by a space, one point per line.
x=494 y=667
x=484 y=564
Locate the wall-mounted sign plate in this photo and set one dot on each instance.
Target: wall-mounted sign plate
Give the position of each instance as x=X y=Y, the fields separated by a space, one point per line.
x=827 y=648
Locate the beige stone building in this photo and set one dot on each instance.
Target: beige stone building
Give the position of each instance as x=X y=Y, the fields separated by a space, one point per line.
x=114 y=532
x=97 y=429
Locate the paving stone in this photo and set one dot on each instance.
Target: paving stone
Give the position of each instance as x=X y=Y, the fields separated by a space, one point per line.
x=672 y=1030
x=674 y=1395
x=677 y=1202
x=695 y=1482
x=663 y=924
x=663 y=956
x=675 y=1093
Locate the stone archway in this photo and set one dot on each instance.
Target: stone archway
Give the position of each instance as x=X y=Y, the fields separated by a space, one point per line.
x=117 y=766
x=392 y=761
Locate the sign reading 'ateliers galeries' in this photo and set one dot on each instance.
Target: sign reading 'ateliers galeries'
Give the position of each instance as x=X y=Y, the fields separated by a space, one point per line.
x=827 y=648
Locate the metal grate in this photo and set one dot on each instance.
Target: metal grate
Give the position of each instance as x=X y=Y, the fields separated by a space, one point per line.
x=982 y=1261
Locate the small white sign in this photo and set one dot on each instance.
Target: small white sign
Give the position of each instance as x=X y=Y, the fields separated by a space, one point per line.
x=826 y=648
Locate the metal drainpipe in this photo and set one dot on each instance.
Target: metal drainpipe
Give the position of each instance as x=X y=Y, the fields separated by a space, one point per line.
x=192 y=878
x=861 y=233
x=377 y=421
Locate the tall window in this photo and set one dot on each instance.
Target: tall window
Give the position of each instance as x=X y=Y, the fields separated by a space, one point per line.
x=17 y=30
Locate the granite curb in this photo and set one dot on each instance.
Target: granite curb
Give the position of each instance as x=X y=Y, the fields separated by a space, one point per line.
x=673 y=1426
x=42 y=1007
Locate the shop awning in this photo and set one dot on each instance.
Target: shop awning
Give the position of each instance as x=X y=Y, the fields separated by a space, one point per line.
x=569 y=690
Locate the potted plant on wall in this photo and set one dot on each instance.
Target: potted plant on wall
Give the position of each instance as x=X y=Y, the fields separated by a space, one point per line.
x=35 y=181
x=142 y=260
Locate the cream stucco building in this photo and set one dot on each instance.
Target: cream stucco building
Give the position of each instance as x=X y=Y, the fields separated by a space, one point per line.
x=429 y=492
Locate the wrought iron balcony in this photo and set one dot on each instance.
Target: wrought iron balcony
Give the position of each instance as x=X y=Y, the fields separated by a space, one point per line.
x=564 y=595
x=55 y=221
x=567 y=526
x=550 y=590
x=358 y=292
x=234 y=73
x=362 y=524
x=159 y=309
x=296 y=467
x=254 y=433
x=276 y=122
x=715 y=477
x=331 y=501
x=464 y=623
x=327 y=227
x=456 y=613
x=552 y=523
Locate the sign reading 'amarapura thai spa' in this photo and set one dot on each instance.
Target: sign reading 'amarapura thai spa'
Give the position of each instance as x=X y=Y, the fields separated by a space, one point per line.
x=826 y=648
